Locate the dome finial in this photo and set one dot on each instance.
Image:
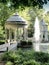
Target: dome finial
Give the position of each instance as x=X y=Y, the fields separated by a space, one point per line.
x=16 y=14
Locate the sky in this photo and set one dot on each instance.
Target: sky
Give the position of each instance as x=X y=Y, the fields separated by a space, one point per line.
x=46 y=7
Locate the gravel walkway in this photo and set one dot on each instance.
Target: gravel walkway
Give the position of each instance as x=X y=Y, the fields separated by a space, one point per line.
x=10 y=47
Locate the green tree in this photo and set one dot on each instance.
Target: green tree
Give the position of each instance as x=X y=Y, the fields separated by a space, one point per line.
x=17 y=3
x=33 y=13
x=1 y=32
x=5 y=12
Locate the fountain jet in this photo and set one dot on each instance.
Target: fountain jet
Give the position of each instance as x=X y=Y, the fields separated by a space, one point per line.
x=37 y=30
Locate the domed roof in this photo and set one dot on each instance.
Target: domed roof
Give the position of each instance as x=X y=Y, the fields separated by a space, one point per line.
x=16 y=18
x=42 y=22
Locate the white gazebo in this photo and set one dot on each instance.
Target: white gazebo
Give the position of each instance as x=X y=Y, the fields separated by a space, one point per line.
x=43 y=30
x=15 y=29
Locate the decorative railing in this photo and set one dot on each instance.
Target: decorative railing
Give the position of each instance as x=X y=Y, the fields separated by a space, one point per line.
x=10 y=47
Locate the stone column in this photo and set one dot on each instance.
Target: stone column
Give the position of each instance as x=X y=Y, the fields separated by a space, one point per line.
x=15 y=35
x=9 y=36
x=46 y=36
x=24 y=33
x=41 y=37
x=6 y=35
x=20 y=33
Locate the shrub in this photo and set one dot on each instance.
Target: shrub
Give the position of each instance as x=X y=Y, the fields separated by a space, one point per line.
x=41 y=57
x=46 y=64
x=2 y=42
x=31 y=62
x=27 y=57
x=9 y=63
x=9 y=56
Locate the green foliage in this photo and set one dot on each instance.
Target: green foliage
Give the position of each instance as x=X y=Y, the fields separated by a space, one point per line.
x=41 y=57
x=46 y=64
x=10 y=56
x=7 y=9
x=2 y=36
x=2 y=42
x=26 y=57
x=5 y=12
x=36 y=12
x=29 y=14
x=9 y=63
x=31 y=62
x=30 y=28
x=17 y=3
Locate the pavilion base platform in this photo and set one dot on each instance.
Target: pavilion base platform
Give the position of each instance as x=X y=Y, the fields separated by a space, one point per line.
x=41 y=47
